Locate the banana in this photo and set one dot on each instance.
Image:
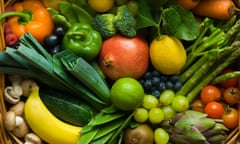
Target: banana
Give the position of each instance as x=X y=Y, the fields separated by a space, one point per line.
x=45 y=124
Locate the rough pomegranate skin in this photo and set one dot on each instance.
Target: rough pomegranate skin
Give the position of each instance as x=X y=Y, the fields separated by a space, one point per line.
x=124 y=57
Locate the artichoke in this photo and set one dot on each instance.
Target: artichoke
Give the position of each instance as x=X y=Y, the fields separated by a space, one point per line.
x=190 y=127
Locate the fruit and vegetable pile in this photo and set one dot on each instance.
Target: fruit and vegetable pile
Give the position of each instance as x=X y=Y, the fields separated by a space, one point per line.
x=121 y=71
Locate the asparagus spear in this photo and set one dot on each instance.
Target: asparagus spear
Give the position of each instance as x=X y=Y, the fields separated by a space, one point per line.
x=225 y=77
x=215 y=71
x=198 y=74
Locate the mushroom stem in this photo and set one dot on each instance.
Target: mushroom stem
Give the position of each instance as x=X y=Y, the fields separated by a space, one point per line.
x=32 y=138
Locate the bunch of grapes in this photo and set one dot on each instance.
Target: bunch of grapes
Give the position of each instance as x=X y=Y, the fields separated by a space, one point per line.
x=155 y=82
x=155 y=110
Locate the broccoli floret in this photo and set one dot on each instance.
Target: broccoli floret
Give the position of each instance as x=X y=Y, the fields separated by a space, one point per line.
x=103 y=23
x=124 y=21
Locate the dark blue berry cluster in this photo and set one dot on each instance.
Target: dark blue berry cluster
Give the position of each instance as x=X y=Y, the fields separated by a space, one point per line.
x=154 y=82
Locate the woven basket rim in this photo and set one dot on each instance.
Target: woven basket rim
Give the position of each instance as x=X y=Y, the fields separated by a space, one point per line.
x=8 y=138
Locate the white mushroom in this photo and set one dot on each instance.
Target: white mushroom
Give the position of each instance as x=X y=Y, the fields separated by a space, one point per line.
x=18 y=108
x=16 y=124
x=13 y=93
x=32 y=138
x=26 y=86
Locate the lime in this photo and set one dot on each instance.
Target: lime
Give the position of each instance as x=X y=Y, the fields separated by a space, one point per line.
x=167 y=55
x=126 y=93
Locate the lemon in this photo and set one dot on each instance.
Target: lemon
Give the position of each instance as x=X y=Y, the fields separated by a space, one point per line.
x=101 y=5
x=167 y=55
x=126 y=93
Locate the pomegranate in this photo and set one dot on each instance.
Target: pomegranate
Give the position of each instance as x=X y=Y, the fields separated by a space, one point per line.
x=124 y=57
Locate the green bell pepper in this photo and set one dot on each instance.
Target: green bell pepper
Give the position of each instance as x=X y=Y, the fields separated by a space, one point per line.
x=83 y=40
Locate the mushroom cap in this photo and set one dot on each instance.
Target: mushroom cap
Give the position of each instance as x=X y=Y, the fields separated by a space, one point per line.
x=12 y=94
x=18 y=108
x=10 y=121
x=21 y=130
x=26 y=86
x=32 y=138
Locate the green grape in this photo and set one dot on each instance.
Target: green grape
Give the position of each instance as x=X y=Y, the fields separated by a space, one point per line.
x=155 y=115
x=140 y=115
x=150 y=101
x=166 y=97
x=169 y=112
x=161 y=136
x=180 y=103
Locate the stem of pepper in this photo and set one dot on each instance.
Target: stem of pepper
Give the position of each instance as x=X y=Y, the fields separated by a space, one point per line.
x=78 y=35
x=24 y=16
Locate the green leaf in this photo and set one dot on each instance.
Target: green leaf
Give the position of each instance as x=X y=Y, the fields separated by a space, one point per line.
x=88 y=137
x=145 y=18
x=66 y=9
x=189 y=27
x=171 y=20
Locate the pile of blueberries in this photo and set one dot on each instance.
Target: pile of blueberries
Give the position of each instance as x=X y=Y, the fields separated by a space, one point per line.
x=155 y=82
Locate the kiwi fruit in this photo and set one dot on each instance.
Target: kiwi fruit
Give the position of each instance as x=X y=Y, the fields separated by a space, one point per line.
x=142 y=134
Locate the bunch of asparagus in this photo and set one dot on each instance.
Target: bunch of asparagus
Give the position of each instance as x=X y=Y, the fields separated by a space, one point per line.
x=192 y=127
x=216 y=48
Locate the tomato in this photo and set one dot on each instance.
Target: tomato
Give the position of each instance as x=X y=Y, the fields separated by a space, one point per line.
x=230 y=82
x=197 y=105
x=210 y=93
x=214 y=109
x=231 y=95
x=230 y=118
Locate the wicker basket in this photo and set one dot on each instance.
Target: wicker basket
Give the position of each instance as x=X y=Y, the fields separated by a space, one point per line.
x=8 y=138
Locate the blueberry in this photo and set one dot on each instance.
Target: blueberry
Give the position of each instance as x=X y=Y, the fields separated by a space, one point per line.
x=174 y=78
x=162 y=86
x=169 y=85
x=156 y=93
x=177 y=85
x=147 y=84
x=164 y=78
x=147 y=75
x=155 y=73
x=155 y=81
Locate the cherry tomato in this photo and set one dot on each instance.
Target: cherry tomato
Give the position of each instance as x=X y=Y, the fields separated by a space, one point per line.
x=197 y=105
x=230 y=118
x=214 y=109
x=210 y=93
x=230 y=82
x=231 y=95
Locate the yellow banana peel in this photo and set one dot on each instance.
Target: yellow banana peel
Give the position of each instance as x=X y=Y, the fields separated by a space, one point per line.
x=45 y=124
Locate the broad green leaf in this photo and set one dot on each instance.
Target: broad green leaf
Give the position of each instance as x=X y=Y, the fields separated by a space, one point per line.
x=145 y=18
x=171 y=20
x=189 y=27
